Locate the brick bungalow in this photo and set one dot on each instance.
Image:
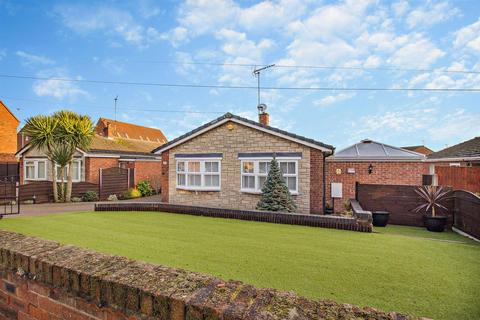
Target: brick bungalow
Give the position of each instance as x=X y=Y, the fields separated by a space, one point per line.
x=8 y=133
x=115 y=144
x=224 y=163
x=372 y=162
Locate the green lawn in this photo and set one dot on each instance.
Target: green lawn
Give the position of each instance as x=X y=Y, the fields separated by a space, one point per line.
x=395 y=268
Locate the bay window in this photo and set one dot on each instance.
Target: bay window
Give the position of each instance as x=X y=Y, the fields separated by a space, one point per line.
x=35 y=169
x=198 y=174
x=254 y=174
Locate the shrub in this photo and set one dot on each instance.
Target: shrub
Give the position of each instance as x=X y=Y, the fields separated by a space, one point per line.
x=145 y=188
x=76 y=199
x=132 y=193
x=90 y=196
x=112 y=197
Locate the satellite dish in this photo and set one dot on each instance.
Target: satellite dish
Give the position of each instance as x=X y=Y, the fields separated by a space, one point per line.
x=261 y=108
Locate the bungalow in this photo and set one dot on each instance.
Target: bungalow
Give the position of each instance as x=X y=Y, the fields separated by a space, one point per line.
x=371 y=162
x=115 y=144
x=224 y=163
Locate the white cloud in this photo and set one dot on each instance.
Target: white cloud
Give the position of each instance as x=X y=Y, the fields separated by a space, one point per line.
x=332 y=99
x=430 y=14
x=456 y=126
x=415 y=51
x=400 y=7
x=56 y=88
x=30 y=59
x=468 y=38
x=111 y=21
x=3 y=54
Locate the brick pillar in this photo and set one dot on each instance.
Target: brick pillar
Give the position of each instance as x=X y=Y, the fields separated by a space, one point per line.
x=316 y=181
x=165 y=176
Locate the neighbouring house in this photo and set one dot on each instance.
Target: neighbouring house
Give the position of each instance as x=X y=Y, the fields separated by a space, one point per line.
x=115 y=144
x=457 y=166
x=8 y=134
x=419 y=149
x=224 y=163
x=371 y=162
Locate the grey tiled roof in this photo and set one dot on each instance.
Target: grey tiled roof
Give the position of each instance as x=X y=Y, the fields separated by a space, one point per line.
x=257 y=124
x=466 y=149
x=372 y=150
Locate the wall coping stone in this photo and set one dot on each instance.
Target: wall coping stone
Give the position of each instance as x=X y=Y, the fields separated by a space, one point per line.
x=149 y=291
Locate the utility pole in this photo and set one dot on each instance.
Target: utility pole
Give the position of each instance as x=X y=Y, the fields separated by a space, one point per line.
x=256 y=73
x=116 y=98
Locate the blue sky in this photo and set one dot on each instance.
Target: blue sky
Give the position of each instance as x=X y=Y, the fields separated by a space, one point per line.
x=151 y=41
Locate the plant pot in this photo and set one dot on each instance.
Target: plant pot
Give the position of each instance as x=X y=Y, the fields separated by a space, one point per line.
x=328 y=210
x=435 y=224
x=380 y=218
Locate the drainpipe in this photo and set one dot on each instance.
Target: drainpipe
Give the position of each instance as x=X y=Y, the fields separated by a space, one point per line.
x=324 y=193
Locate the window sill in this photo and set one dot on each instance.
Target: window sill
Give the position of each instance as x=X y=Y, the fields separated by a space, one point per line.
x=259 y=192
x=199 y=189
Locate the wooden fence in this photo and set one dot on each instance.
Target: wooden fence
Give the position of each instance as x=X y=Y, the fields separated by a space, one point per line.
x=42 y=191
x=115 y=181
x=399 y=200
x=459 y=178
x=467 y=213
x=9 y=171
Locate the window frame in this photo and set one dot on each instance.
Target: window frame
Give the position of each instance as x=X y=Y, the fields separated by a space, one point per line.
x=79 y=171
x=202 y=172
x=257 y=174
x=35 y=170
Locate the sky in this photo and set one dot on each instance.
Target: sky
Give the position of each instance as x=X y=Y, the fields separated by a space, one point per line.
x=377 y=44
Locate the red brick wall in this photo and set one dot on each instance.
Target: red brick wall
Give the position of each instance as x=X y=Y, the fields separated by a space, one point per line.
x=150 y=171
x=164 y=176
x=389 y=173
x=8 y=133
x=316 y=181
x=93 y=165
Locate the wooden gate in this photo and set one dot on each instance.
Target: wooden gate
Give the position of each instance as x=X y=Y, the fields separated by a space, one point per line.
x=463 y=178
x=114 y=181
x=9 y=170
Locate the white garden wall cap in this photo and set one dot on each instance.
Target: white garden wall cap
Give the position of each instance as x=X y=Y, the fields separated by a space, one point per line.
x=372 y=150
x=249 y=123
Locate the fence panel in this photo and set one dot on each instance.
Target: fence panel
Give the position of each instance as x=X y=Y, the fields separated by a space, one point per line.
x=400 y=201
x=464 y=178
x=467 y=213
x=9 y=170
x=114 y=181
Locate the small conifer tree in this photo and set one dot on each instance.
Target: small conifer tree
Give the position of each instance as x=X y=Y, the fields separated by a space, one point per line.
x=275 y=193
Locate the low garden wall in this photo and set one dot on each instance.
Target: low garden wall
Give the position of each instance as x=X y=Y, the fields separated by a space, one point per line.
x=42 y=279
x=335 y=222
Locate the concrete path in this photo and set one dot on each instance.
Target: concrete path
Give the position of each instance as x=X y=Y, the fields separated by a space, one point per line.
x=59 y=208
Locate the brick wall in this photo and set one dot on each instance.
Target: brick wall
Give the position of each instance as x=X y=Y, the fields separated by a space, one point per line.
x=150 y=171
x=8 y=133
x=42 y=280
x=388 y=173
x=93 y=165
x=316 y=182
x=230 y=143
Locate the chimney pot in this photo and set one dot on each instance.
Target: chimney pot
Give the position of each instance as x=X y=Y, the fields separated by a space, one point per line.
x=264 y=118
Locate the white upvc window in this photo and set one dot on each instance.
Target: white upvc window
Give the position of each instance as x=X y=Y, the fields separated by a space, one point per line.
x=199 y=174
x=76 y=171
x=254 y=174
x=35 y=169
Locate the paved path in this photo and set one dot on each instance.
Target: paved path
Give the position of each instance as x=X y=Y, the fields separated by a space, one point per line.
x=59 y=208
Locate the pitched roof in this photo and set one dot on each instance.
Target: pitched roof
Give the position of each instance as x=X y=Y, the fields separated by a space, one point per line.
x=120 y=146
x=466 y=149
x=130 y=131
x=420 y=149
x=250 y=123
x=5 y=106
x=372 y=150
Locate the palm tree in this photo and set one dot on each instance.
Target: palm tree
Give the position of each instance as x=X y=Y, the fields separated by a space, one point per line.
x=43 y=134
x=75 y=132
x=61 y=155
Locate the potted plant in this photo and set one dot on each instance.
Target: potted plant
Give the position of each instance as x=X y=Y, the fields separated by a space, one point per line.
x=380 y=218
x=328 y=208
x=432 y=197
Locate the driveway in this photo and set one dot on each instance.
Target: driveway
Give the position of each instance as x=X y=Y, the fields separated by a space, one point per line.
x=59 y=208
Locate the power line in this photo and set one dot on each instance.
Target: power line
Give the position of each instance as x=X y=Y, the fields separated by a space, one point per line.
x=250 y=65
x=218 y=86
x=129 y=108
